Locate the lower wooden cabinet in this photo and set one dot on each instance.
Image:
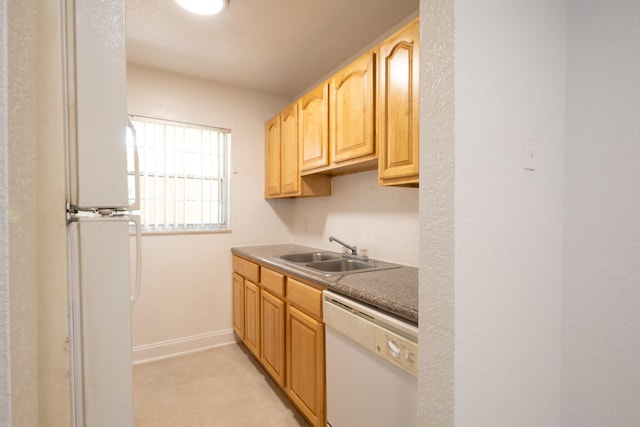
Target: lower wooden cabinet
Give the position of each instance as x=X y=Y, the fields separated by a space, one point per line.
x=273 y=336
x=280 y=322
x=306 y=365
x=246 y=302
x=252 y=317
x=238 y=305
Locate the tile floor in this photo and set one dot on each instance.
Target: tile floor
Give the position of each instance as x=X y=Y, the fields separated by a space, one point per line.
x=219 y=387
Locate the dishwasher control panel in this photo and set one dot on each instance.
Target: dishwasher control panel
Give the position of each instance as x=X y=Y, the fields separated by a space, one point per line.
x=397 y=350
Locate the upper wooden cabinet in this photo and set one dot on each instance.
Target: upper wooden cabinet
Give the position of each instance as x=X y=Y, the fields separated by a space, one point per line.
x=272 y=157
x=398 y=107
x=352 y=111
x=289 y=167
x=282 y=167
x=313 y=128
x=365 y=117
x=282 y=174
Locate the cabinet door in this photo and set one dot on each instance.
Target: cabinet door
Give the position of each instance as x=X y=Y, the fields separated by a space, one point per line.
x=398 y=107
x=289 y=166
x=273 y=338
x=272 y=157
x=252 y=317
x=305 y=365
x=352 y=110
x=313 y=128
x=238 y=305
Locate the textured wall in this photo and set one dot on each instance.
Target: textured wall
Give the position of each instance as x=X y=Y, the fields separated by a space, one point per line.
x=22 y=204
x=601 y=331
x=437 y=251
x=5 y=391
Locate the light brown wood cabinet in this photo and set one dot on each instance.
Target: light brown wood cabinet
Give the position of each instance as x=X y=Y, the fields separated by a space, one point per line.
x=313 y=126
x=306 y=351
x=305 y=367
x=336 y=122
x=365 y=117
x=280 y=321
x=352 y=111
x=246 y=303
x=281 y=154
x=289 y=167
x=272 y=157
x=282 y=167
x=273 y=324
x=252 y=317
x=398 y=107
x=273 y=337
x=238 y=305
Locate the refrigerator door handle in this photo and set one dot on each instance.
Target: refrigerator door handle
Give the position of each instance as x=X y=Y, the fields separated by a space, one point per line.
x=138 y=277
x=135 y=206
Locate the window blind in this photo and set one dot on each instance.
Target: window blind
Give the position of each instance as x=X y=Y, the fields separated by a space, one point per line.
x=184 y=175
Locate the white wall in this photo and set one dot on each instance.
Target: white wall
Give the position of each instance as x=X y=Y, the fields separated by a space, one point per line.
x=507 y=253
x=509 y=85
x=601 y=330
x=186 y=293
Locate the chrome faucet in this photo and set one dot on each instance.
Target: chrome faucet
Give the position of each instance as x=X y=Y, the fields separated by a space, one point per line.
x=353 y=249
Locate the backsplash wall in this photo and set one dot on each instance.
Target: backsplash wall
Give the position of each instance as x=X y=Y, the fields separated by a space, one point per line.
x=383 y=220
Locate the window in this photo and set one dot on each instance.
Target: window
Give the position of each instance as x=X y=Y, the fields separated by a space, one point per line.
x=184 y=175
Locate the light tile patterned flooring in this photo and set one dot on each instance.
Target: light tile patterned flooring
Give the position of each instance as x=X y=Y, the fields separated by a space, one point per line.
x=220 y=387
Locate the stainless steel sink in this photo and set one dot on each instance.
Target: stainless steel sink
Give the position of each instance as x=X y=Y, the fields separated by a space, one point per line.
x=341 y=265
x=311 y=257
x=332 y=264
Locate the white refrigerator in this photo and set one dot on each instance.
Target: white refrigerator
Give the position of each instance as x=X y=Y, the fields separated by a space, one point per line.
x=101 y=292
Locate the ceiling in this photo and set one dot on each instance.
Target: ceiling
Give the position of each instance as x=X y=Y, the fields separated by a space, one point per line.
x=274 y=46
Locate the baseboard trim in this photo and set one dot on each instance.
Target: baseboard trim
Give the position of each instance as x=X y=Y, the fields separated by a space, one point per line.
x=172 y=348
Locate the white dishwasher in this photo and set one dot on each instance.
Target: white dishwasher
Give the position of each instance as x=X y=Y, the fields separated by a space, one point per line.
x=372 y=364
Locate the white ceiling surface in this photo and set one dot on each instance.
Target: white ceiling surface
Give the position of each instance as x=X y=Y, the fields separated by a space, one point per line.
x=274 y=46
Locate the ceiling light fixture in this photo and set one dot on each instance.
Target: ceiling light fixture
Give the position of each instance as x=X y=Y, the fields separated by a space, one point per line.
x=204 y=7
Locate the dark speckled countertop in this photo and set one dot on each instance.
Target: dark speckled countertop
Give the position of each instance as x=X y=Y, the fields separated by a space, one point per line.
x=394 y=290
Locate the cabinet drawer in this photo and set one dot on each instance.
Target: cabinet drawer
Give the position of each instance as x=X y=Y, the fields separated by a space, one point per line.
x=246 y=269
x=272 y=281
x=305 y=297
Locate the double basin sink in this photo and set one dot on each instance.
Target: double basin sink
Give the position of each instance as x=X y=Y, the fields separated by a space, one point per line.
x=330 y=263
